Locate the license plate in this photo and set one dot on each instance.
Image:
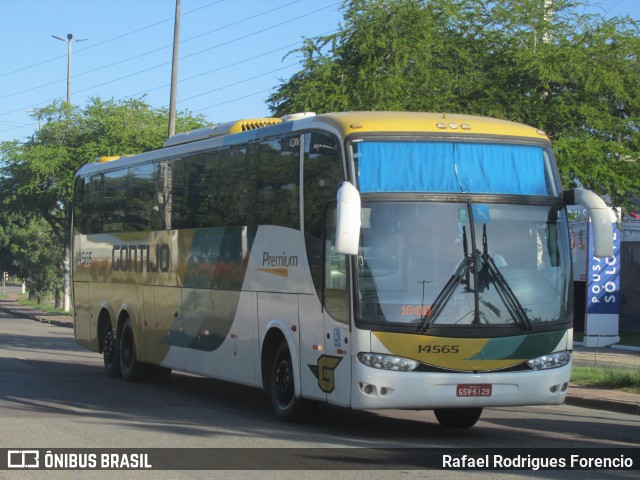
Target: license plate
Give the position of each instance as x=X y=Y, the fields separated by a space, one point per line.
x=474 y=390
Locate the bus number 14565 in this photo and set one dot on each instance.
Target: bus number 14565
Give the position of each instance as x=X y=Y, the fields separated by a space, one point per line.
x=438 y=348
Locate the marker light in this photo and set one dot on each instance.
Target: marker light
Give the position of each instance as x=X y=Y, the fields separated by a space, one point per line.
x=552 y=360
x=387 y=362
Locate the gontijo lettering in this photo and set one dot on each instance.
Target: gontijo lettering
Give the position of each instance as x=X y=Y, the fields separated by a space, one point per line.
x=141 y=258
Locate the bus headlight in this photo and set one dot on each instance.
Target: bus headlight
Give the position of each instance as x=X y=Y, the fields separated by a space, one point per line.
x=387 y=362
x=552 y=360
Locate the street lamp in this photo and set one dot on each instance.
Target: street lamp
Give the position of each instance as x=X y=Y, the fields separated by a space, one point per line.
x=69 y=41
x=67 y=256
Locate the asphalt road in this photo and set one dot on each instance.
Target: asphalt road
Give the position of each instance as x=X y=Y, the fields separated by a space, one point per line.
x=54 y=394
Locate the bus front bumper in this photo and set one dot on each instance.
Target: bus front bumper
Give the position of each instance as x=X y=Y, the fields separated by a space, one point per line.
x=383 y=389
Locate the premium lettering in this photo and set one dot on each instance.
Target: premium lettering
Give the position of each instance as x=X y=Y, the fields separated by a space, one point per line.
x=283 y=260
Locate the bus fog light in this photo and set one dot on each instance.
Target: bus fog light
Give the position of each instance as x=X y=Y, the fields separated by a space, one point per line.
x=387 y=362
x=552 y=360
x=367 y=388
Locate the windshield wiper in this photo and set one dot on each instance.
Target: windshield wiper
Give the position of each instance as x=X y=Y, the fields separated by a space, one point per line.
x=460 y=275
x=502 y=286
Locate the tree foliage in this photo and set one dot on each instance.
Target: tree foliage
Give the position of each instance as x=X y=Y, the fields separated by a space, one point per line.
x=36 y=255
x=572 y=74
x=36 y=176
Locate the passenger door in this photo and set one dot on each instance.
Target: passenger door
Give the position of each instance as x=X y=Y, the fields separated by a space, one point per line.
x=335 y=366
x=326 y=368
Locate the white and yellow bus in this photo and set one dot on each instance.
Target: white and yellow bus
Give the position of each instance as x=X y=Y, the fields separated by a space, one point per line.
x=373 y=260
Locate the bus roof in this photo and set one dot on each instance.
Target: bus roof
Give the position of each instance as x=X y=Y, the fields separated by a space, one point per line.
x=344 y=123
x=360 y=122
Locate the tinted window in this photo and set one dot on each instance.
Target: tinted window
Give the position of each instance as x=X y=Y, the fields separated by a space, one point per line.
x=237 y=186
x=323 y=175
x=142 y=199
x=278 y=163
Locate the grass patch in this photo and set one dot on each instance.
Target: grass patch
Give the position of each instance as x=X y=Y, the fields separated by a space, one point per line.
x=623 y=379
x=44 y=307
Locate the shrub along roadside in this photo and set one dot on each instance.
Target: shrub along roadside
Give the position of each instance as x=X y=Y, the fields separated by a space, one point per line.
x=627 y=380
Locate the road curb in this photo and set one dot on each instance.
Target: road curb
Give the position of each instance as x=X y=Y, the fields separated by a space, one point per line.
x=603 y=404
x=37 y=318
x=57 y=323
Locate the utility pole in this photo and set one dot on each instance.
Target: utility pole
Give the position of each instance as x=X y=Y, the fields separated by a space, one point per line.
x=66 y=302
x=174 y=72
x=69 y=41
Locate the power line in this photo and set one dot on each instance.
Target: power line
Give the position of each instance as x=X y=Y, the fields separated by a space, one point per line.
x=229 y=65
x=19 y=126
x=164 y=47
x=238 y=82
x=194 y=37
x=108 y=40
x=200 y=94
x=259 y=31
x=233 y=100
x=186 y=56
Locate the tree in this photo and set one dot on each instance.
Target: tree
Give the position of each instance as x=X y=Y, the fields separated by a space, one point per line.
x=32 y=248
x=29 y=251
x=36 y=177
x=547 y=64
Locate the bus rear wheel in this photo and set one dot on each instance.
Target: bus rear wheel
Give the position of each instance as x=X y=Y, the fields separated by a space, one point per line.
x=131 y=368
x=458 y=417
x=285 y=404
x=110 y=352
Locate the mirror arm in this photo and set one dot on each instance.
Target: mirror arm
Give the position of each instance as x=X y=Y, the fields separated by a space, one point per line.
x=600 y=219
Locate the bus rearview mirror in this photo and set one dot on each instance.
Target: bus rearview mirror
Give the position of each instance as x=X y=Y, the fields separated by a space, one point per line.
x=348 y=221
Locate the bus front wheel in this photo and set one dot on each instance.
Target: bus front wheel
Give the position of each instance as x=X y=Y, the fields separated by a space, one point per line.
x=458 y=417
x=286 y=405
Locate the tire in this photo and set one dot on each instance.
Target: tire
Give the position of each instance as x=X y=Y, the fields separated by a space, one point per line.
x=110 y=352
x=282 y=388
x=458 y=417
x=132 y=370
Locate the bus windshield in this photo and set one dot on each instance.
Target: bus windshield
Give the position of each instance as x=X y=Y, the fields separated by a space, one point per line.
x=452 y=263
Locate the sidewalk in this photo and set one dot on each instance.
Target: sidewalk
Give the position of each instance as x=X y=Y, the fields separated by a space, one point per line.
x=10 y=305
x=597 y=398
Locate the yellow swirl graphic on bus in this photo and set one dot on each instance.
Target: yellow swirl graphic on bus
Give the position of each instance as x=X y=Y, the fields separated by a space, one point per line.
x=470 y=354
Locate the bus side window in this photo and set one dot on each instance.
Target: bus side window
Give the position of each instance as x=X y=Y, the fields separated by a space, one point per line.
x=113 y=201
x=94 y=219
x=139 y=212
x=336 y=296
x=79 y=211
x=323 y=175
x=278 y=189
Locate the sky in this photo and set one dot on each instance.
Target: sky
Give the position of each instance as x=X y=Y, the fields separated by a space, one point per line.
x=233 y=53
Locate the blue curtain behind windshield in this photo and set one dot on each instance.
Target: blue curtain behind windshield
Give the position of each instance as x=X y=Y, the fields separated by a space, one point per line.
x=451 y=168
